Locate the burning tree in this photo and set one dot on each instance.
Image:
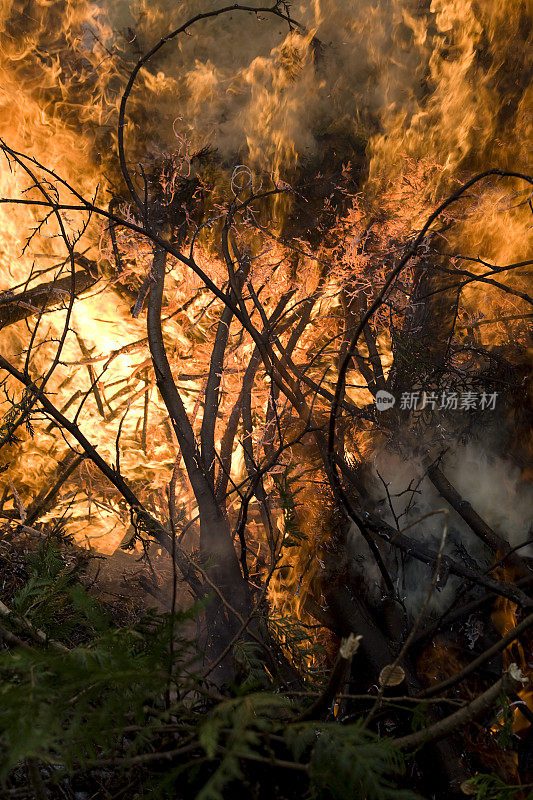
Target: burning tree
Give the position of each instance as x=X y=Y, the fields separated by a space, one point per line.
x=288 y=408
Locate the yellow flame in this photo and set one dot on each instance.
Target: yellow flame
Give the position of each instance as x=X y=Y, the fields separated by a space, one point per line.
x=429 y=94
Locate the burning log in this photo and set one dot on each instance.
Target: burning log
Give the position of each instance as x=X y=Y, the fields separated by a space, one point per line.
x=14 y=307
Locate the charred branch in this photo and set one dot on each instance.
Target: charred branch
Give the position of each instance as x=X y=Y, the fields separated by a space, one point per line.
x=14 y=307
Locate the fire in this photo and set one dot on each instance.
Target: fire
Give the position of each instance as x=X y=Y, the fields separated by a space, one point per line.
x=419 y=95
x=504 y=618
x=373 y=112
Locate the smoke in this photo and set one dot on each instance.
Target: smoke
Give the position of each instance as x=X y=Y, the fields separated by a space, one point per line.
x=492 y=484
x=443 y=81
x=446 y=81
x=270 y=97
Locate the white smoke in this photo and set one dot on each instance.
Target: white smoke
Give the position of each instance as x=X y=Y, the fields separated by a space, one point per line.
x=491 y=483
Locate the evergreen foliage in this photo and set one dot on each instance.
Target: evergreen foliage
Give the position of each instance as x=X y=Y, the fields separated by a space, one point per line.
x=108 y=712
x=490 y=787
